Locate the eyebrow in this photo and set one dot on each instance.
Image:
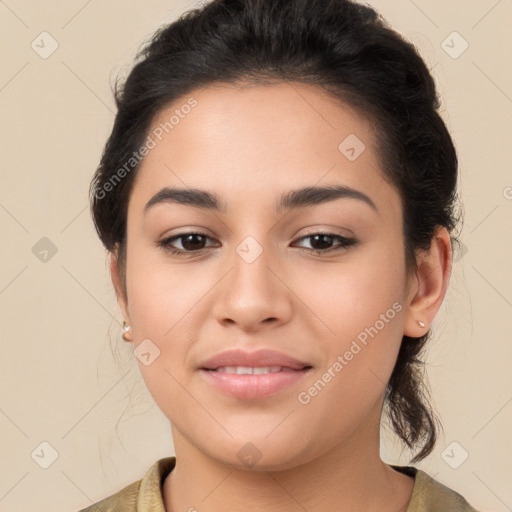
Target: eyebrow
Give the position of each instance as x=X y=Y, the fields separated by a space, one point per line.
x=293 y=199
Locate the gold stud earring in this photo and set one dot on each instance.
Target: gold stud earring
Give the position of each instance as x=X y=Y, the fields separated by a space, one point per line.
x=126 y=328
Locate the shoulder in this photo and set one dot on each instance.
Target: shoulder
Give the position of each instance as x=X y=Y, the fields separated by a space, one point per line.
x=143 y=495
x=125 y=500
x=429 y=495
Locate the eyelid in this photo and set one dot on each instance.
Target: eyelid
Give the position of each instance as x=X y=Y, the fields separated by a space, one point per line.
x=311 y=230
x=344 y=242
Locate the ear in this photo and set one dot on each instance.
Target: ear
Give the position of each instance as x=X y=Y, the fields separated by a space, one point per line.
x=122 y=298
x=428 y=286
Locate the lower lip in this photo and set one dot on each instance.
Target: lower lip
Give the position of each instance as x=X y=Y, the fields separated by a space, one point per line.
x=252 y=387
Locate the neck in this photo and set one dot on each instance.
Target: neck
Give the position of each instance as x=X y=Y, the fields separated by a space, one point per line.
x=341 y=479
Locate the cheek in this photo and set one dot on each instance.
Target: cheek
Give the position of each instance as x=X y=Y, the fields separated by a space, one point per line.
x=350 y=297
x=161 y=305
x=362 y=307
x=161 y=295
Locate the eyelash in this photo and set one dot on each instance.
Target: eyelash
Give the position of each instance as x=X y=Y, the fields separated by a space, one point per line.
x=345 y=243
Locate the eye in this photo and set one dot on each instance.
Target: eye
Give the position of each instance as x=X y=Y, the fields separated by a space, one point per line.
x=191 y=240
x=322 y=239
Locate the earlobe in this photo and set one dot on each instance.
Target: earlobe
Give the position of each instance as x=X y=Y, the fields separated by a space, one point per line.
x=429 y=285
x=126 y=332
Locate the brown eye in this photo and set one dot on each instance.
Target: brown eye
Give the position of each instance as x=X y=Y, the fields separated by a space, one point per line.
x=193 y=242
x=321 y=242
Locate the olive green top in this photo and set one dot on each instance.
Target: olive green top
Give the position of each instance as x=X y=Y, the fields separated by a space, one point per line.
x=145 y=495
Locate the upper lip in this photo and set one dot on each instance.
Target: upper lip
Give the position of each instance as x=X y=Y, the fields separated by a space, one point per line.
x=258 y=358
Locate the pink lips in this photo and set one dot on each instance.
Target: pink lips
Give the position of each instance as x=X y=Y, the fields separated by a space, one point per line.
x=252 y=386
x=261 y=357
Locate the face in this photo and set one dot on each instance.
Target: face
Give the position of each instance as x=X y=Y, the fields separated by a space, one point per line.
x=322 y=283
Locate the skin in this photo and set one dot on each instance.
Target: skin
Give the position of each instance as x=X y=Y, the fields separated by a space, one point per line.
x=249 y=145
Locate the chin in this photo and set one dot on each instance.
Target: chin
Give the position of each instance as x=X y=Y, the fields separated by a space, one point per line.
x=260 y=454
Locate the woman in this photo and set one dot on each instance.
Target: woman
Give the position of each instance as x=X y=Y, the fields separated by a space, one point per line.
x=278 y=198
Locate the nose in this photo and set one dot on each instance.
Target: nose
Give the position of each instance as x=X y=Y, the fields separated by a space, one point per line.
x=253 y=295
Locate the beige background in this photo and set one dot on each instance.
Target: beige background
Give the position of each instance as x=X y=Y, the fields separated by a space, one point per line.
x=60 y=323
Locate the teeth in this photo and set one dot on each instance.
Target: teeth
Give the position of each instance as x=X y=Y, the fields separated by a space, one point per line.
x=267 y=369
x=247 y=370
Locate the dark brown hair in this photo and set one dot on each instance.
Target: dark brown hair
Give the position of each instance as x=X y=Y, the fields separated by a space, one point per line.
x=349 y=51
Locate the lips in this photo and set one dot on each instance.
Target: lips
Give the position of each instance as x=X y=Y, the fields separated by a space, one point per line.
x=253 y=375
x=248 y=370
x=259 y=359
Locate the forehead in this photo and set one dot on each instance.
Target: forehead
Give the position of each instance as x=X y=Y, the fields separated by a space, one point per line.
x=288 y=110
x=262 y=139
